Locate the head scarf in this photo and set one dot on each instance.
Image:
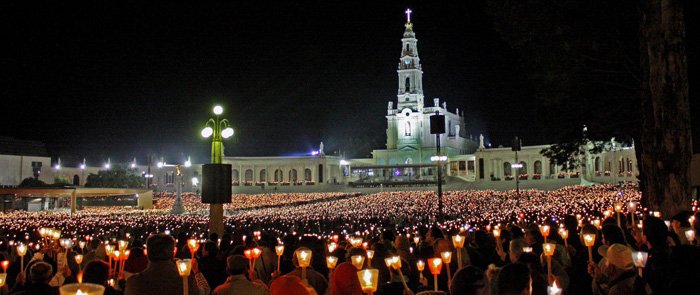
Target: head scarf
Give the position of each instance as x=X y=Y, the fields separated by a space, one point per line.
x=344 y=280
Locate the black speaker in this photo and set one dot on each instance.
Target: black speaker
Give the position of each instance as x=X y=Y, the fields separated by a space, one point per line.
x=216 y=183
x=516 y=144
x=437 y=124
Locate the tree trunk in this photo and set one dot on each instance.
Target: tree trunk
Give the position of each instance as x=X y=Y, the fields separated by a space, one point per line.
x=665 y=149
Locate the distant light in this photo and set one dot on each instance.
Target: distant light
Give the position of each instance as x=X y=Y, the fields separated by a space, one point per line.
x=218 y=110
x=167 y=232
x=137 y=196
x=57 y=167
x=133 y=165
x=160 y=164
x=343 y=162
x=226 y=133
x=438 y=158
x=107 y=166
x=516 y=165
x=207 y=131
x=314 y=153
x=82 y=166
x=397 y=172
x=188 y=163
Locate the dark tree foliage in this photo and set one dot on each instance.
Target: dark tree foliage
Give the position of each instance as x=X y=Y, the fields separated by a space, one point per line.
x=617 y=67
x=118 y=176
x=31 y=182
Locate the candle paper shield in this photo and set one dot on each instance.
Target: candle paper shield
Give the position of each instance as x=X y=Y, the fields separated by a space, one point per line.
x=279 y=249
x=435 y=265
x=458 y=241
x=420 y=265
x=331 y=261
x=640 y=259
x=446 y=257
x=548 y=249
x=303 y=257
x=544 y=230
x=3 y=279
x=589 y=240
x=184 y=267
x=83 y=289
x=358 y=261
x=369 y=279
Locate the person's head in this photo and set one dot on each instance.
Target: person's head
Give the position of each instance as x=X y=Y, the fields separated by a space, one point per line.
x=161 y=247
x=344 y=280
x=516 y=248
x=654 y=231
x=96 y=272
x=441 y=245
x=288 y=285
x=514 y=279
x=210 y=249
x=618 y=260
x=532 y=261
x=433 y=234
x=41 y=272
x=611 y=234
x=236 y=265
x=468 y=281
x=680 y=220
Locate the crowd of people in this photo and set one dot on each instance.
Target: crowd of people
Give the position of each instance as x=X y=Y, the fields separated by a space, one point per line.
x=505 y=250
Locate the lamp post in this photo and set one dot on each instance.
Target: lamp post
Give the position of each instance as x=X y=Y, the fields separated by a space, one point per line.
x=220 y=129
x=516 y=148
x=437 y=127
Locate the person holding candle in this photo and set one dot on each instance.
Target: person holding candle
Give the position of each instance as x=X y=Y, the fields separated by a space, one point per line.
x=161 y=276
x=237 y=267
x=619 y=269
x=39 y=276
x=514 y=279
x=680 y=225
x=313 y=278
x=655 y=239
x=97 y=272
x=470 y=280
x=213 y=269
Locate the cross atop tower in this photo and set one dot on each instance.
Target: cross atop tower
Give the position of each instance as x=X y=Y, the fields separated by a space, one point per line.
x=408 y=15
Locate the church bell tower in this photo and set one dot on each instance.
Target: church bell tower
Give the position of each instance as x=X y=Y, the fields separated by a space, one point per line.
x=410 y=94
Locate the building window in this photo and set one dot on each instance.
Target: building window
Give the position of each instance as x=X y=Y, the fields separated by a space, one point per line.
x=408 y=85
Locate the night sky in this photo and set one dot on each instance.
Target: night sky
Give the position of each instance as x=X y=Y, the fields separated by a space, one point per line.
x=123 y=79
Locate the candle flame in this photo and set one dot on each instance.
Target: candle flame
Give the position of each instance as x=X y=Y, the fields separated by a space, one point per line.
x=81 y=292
x=368 y=278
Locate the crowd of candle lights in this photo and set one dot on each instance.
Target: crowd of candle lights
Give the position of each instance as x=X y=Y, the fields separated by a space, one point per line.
x=336 y=218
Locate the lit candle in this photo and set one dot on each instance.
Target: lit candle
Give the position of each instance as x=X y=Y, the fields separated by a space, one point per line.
x=690 y=235
x=358 y=261
x=184 y=267
x=554 y=290
x=596 y=223
x=304 y=260
x=370 y=255
x=332 y=246
x=5 y=264
x=3 y=278
x=82 y=289
x=589 y=240
x=193 y=245
x=435 y=265
x=447 y=258
x=416 y=240
x=21 y=251
x=527 y=249
x=549 y=251
x=640 y=260
x=369 y=279
x=279 y=249
x=564 y=233
x=331 y=261
x=458 y=242
x=544 y=230
x=420 y=265
x=122 y=245
x=78 y=260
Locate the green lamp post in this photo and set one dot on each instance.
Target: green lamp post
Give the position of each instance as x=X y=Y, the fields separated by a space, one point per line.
x=218 y=129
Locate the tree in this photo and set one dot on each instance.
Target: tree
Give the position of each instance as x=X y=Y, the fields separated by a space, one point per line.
x=665 y=150
x=118 y=176
x=592 y=68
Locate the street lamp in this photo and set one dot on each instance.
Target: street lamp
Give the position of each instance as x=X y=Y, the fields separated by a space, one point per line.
x=218 y=129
